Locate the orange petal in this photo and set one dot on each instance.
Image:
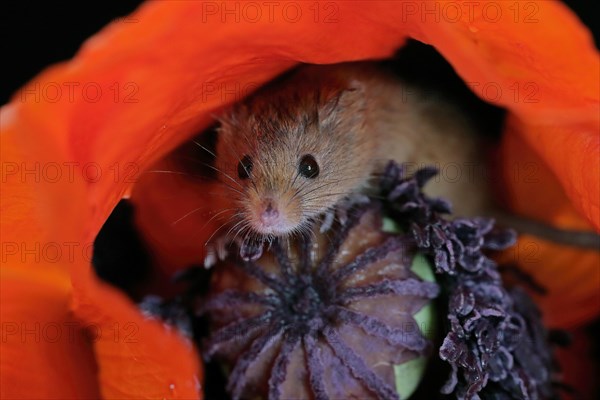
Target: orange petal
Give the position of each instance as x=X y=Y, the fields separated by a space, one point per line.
x=513 y=62
x=164 y=199
x=528 y=184
x=569 y=274
x=45 y=350
x=579 y=169
x=579 y=365
x=137 y=357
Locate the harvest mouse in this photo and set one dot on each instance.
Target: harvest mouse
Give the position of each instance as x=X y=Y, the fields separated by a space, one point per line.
x=315 y=137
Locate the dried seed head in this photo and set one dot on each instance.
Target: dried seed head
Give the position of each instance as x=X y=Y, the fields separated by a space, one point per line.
x=322 y=317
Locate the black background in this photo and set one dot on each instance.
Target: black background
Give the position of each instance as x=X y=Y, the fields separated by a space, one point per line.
x=36 y=34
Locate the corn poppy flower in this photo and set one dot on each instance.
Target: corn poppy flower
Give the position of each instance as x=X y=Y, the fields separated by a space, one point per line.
x=141 y=89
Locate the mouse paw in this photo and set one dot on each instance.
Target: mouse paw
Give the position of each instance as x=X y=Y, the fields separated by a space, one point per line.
x=216 y=251
x=251 y=249
x=210 y=258
x=328 y=218
x=347 y=203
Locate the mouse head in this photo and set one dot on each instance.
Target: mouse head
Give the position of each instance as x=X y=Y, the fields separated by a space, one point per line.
x=292 y=151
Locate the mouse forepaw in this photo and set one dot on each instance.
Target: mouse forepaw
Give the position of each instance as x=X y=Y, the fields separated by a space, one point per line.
x=216 y=251
x=251 y=249
x=210 y=258
x=328 y=218
x=347 y=203
x=341 y=211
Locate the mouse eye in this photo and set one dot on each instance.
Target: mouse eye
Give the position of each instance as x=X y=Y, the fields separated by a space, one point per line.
x=308 y=167
x=244 y=167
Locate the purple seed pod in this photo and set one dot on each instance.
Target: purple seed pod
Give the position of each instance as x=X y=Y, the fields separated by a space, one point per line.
x=496 y=344
x=325 y=317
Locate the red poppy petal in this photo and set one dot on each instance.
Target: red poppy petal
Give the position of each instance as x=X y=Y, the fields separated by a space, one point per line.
x=579 y=365
x=45 y=350
x=137 y=357
x=47 y=201
x=548 y=78
x=570 y=275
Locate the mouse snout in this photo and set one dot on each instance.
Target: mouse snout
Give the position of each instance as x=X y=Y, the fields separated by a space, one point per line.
x=270 y=214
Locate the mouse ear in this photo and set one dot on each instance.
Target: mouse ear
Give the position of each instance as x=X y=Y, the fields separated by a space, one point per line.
x=234 y=119
x=353 y=94
x=346 y=107
x=349 y=99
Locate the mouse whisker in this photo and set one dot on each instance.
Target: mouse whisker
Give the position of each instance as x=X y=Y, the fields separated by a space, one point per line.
x=187 y=215
x=241 y=222
x=215 y=216
x=324 y=196
x=224 y=173
x=305 y=230
x=196 y=210
x=242 y=232
x=233 y=189
x=253 y=185
x=245 y=232
x=215 y=232
x=328 y=194
x=219 y=194
x=294 y=181
x=239 y=217
x=296 y=194
x=303 y=186
x=190 y=159
x=204 y=148
x=205 y=164
x=319 y=188
x=329 y=183
x=173 y=172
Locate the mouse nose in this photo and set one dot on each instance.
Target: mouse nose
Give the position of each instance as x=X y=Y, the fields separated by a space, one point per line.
x=270 y=214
